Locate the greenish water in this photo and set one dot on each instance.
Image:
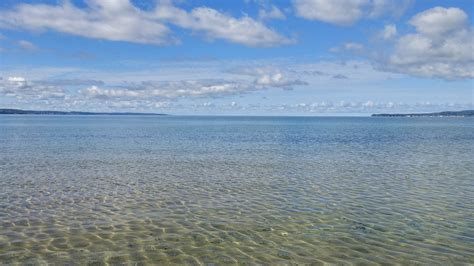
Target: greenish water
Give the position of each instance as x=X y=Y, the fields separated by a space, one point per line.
x=223 y=190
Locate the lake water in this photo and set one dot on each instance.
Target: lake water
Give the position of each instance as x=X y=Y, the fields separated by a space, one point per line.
x=198 y=190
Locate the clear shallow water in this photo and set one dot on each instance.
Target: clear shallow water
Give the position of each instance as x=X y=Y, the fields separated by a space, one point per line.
x=197 y=190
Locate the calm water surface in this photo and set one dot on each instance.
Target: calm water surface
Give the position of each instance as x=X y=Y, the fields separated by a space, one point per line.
x=199 y=190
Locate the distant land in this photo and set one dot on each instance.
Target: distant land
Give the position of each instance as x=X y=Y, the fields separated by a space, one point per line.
x=30 y=112
x=440 y=114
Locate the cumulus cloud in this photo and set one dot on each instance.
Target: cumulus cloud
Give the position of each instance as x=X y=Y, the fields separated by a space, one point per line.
x=270 y=77
x=271 y=12
x=341 y=12
x=120 y=20
x=347 y=12
x=439 y=20
x=395 y=8
x=89 y=94
x=167 y=90
x=173 y=90
x=441 y=46
x=109 y=20
x=216 y=25
x=20 y=88
x=277 y=79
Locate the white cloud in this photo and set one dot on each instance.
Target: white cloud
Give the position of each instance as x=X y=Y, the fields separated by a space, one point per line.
x=27 y=46
x=173 y=90
x=367 y=107
x=388 y=32
x=70 y=82
x=216 y=25
x=167 y=90
x=352 y=47
x=442 y=46
x=122 y=21
x=341 y=12
x=109 y=20
x=20 y=88
x=293 y=107
x=277 y=80
x=439 y=20
x=270 y=77
x=180 y=88
x=324 y=74
x=86 y=93
x=393 y=7
x=271 y=12
x=347 y=12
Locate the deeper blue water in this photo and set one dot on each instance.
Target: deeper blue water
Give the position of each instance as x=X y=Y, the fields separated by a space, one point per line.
x=227 y=190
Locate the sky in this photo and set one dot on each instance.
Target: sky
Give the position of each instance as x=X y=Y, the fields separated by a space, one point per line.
x=249 y=57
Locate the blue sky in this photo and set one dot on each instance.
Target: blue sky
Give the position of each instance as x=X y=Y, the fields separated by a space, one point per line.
x=301 y=57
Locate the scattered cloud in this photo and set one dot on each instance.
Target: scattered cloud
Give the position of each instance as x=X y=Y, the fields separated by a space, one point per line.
x=20 y=88
x=277 y=80
x=323 y=74
x=83 y=55
x=339 y=76
x=264 y=78
x=329 y=107
x=83 y=92
x=441 y=46
x=272 y=77
x=351 y=47
x=216 y=25
x=395 y=8
x=108 y=20
x=389 y=32
x=272 y=12
x=70 y=82
x=347 y=12
x=206 y=94
x=368 y=106
x=167 y=90
x=437 y=43
x=122 y=21
x=439 y=20
x=315 y=73
x=340 y=12
x=27 y=46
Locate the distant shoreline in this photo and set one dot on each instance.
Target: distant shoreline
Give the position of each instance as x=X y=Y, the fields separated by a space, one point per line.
x=464 y=113
x=8 y=111
x=33 y=112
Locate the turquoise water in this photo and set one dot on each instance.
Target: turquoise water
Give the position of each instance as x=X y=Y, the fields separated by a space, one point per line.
x=198 y=190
